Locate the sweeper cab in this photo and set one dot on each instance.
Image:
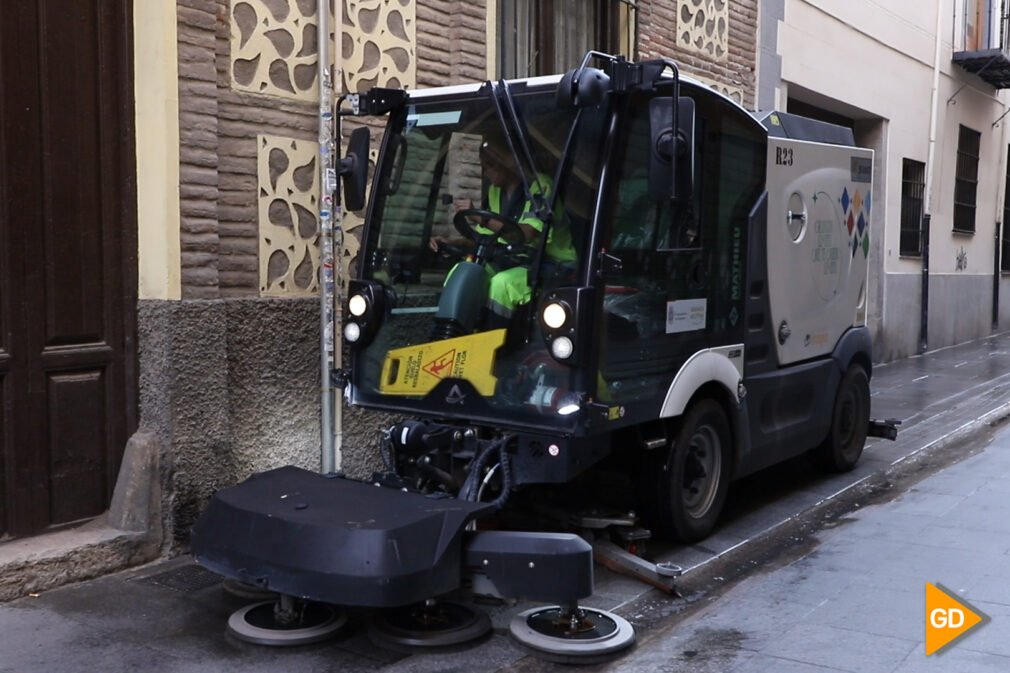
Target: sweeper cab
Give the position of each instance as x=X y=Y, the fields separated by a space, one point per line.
x=686 y=302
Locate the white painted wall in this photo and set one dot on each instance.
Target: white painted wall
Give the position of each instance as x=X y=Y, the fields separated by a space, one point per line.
x=874 y=59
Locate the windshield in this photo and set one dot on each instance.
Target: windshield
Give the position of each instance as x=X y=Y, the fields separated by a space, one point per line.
x=462 y=288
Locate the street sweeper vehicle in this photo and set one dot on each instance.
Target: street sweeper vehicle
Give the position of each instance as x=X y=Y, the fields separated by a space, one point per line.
x=617 y=266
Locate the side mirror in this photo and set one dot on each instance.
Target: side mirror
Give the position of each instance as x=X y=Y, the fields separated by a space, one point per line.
x=582 y=87
x=354 y=169
x=671 y=155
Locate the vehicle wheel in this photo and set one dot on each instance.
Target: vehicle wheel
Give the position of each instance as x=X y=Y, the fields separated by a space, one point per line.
x=693 y=475
x=841 y=449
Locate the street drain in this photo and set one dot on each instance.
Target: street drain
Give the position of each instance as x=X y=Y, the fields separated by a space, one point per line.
x=185 y=579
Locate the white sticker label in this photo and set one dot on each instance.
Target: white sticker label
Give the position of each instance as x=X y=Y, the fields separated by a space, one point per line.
x=685 y=315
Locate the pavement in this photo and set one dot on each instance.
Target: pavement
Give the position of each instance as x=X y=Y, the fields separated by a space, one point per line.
x=806 y=573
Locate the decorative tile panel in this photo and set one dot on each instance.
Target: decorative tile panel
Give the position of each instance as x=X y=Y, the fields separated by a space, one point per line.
x=703 y=27
x=731 y=91
x=288 y=188
x=274 y=48
x=377 y=44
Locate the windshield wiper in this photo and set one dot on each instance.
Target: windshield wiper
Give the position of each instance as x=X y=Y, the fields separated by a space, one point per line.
x=541 y=201
x=493 y=92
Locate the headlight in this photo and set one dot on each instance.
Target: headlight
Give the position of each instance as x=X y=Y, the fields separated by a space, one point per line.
x=352 y=332
x=555 y=315
x=562 y=348
x=569 y=404
x=357 y=305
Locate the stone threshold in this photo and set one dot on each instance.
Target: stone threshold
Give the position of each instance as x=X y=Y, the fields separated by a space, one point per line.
x=36 y=564
x=129 y=534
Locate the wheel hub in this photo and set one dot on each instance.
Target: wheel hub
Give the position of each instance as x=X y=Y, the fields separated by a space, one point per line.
x=702 y=469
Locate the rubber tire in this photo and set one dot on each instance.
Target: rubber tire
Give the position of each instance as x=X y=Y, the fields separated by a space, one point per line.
x=670 y=511
x=850 y=418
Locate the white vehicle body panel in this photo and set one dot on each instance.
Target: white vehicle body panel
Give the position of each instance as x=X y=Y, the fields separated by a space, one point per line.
x=723 y=365
x=819 y=203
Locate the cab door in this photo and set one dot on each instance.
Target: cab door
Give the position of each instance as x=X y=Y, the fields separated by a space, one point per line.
x=679 y=287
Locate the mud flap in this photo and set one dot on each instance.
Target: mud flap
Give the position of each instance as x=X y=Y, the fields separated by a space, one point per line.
x=884 y=429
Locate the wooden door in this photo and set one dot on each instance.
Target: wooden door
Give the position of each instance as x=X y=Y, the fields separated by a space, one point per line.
x=67 y=259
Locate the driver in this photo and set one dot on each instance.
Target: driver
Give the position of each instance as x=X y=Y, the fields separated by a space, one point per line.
x=509 y=288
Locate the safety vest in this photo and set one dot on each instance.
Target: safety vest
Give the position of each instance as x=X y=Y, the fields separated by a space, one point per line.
x=559 y=239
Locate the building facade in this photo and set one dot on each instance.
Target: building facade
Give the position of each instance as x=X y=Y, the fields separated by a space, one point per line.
x=923 y=85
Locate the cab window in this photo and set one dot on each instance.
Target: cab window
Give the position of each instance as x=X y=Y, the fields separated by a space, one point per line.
x=679 y=287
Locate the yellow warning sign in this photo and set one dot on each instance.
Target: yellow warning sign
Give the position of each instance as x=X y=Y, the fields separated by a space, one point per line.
x=415 y=370
x=948 y=618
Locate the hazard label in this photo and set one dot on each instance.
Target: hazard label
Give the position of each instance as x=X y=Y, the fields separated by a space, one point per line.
x=441 y=366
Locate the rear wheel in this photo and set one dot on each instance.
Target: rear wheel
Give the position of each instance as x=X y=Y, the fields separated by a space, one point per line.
x=693 y=474
x=850 y=417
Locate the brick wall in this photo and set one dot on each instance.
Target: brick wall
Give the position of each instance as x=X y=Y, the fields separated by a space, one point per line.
x=218 y=172
x=219 y=125
x=198 y=129
x=242 y=117
x=451 y=42
x=657 y=36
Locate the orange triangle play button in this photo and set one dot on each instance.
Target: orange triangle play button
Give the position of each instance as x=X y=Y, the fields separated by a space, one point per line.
x=948 y=618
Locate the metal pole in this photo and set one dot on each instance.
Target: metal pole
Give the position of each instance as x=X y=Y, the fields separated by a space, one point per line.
x=338 y=245
x=327 y=186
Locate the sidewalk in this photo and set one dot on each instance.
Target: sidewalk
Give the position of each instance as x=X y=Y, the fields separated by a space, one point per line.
x=857 y=602
x=171 y=616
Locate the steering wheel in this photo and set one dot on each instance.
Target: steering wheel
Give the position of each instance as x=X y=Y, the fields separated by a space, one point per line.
x=447 y=249
x=510 y=229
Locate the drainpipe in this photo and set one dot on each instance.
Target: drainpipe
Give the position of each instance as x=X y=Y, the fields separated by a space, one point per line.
x=997 y=269
x=1001 y=197
x=329 y=356
x=930 y=172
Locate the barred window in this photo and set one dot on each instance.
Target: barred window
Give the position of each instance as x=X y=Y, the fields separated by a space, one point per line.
x=966 y=182
x=542 y=37
x=913 y=188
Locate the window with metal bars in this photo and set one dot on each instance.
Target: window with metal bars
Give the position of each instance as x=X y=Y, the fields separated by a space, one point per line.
x=966 y=180
x=542 y=37
x=1004 y=258
x=913 y=188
